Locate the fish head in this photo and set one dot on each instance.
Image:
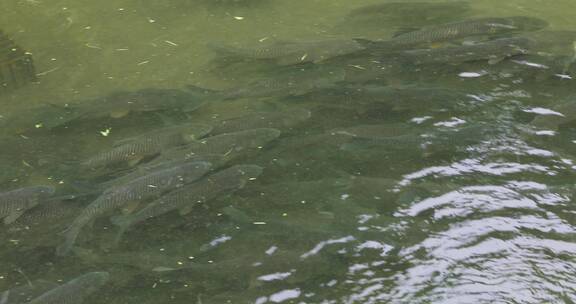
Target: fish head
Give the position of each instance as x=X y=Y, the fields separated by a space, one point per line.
x=192 y=132
x=237 y=176
x=296 y=116
x=93 y=281
x=525 y=23
x=265 y=135
x=46 y=190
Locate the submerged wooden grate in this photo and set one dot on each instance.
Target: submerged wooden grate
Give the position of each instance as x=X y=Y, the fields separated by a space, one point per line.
x=16 y=66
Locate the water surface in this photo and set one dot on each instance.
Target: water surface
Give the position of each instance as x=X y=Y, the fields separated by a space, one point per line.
x=459 y=192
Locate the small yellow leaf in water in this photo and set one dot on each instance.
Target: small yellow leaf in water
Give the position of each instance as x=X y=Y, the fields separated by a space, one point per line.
x=238 y=18
x=38 y=125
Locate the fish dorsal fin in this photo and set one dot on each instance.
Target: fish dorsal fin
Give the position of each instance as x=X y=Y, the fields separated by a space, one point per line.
x=124 y=141
x=273 y=41
x=292 y=59
x=364 y=42
x=119 y=113
x=130 y=207
x=185 y=209
x=403 y=30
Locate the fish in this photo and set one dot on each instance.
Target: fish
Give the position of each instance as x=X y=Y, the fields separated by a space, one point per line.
x=46 y=216
x=223 y=182
x=553 y=43
x=120 y=104
x=398 y=97
x=133 y=150
x=388 y=138
x=376 y=131
x=404 y=14
x=494 y=51
x=558 y=45
x=289 y=83
x=234 y=3
x=290 y=53
x=393 y=138
x=47 y=116
x=462 y=29
x=116 y=105
x=276 y=120
x=148 y=260
x=14 y=203
x=16 y=65
x=296 y=192
x=160 y=164
x=227 y=144
x=140 y=189
x=25 y=293
x=74 y=291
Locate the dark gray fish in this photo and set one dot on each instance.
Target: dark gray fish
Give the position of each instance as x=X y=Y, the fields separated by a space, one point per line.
x=393 y=136
x=74 y=291
x=403 y=97
x=293 y=193
x=14 y=203
x=292 y=83
x=49 y=215
x=559 y=46
x=120 y=104
x=16 y=65
x=43 y=116
x=184 y=199
x=227 y=4
x=160 y=164
x=149 y=260
x=494 y=51
x=289 y=53
x=115 y=105
x=25 y=293
x=376 y=132
x=143 y=188
x=553 y=43
x=405 y=14
x=463 y=29
x=148 y=144
x=228 y=144
x=276 y=120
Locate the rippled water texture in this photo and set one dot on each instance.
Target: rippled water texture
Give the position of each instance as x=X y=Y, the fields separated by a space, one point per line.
x=344 y=159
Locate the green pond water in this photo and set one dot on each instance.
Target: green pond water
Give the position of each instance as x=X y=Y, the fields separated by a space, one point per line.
x=353 y=152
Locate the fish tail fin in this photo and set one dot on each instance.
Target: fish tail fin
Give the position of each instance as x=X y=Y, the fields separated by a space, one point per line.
x=70 y=235
x=365 y=42
x=122 y=222
x=119 y=220
x=221 y=50
x=67 y=165
x=84 y=254
x=376 y=47
x=204 y=94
